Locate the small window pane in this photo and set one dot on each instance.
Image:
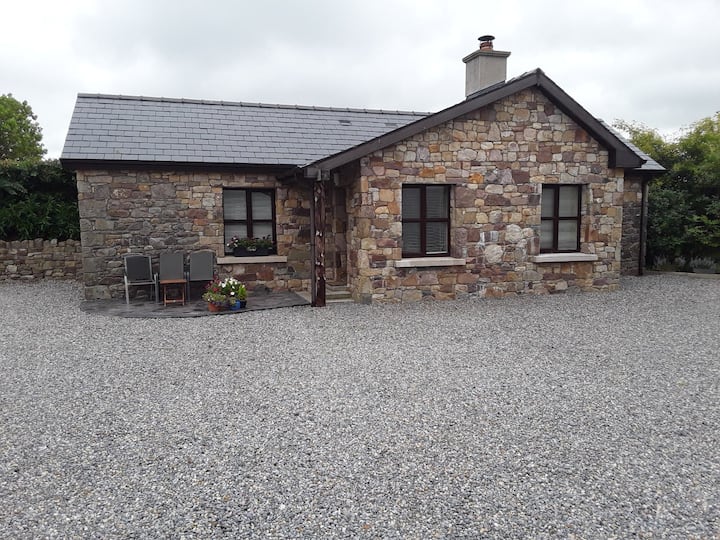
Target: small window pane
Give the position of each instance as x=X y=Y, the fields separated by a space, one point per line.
x=262 y=229
x=437 y=238
x=235 y=229
x=567 y=236
x=411 y=237
x=234 y=204
x=436 y=199
x=547 y=207
x=546 y=235
x=261 y=206
x=411 y=203
x=568 y=201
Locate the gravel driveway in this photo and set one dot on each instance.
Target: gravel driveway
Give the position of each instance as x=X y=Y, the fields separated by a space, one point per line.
x=590 y=416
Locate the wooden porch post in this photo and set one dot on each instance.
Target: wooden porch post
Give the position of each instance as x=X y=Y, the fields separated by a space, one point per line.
x=318 y=232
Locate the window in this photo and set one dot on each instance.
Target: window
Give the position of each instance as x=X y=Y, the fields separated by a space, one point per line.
x=425 y=220
x=560 y=219
x=249 y=213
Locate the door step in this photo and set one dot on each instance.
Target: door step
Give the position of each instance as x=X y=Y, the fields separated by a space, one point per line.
x=337 y=293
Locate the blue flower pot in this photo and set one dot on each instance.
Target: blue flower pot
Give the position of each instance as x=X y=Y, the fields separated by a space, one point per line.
x=239 y=304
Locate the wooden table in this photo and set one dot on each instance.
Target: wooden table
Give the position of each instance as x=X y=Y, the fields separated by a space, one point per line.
x=178 y=284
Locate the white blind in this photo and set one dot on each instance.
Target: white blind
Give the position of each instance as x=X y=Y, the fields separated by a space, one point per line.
x=547 y=205
x=411 y=203
x=261 y=206
x=234 y=204
x=546 y=234
x=235 y=229
x=411 y=237
x=568 y=201
x=260 y=230
x=436 y=240
x=436 y=201
x=567 y=235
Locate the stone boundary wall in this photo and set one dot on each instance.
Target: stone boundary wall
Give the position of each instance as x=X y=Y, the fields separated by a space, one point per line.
x=38 y=259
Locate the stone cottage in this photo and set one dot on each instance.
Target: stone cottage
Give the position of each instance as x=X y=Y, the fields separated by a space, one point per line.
x=517 y=189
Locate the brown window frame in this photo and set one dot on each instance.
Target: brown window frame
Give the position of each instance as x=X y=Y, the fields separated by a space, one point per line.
x=423 y=220
x=249 y=221
x=556 y=218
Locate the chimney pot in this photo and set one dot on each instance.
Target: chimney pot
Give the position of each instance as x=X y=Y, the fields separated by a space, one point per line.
x=486 y=42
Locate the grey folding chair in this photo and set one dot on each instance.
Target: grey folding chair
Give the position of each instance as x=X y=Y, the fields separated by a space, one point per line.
x=171 y=275
x=201 y=268
x=138 y=271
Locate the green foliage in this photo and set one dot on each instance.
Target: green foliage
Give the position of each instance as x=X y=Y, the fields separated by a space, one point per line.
x=684 y=203
x=10 y=187
x=38 y=199
x=698 y=169
x=668 y=214
x=650 y=142
x=20 y=134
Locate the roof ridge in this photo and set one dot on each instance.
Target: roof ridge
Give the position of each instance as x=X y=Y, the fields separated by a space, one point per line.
x=249 y=104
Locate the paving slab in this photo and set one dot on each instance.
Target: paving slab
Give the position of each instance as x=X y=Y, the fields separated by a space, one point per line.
x=148 y=309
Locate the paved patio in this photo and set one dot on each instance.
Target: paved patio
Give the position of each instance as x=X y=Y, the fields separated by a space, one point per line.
x=148 y=309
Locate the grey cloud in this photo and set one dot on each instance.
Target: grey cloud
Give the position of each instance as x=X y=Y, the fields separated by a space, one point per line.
x=651 y=61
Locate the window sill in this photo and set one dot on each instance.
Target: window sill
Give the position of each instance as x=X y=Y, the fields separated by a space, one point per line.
x=563 y=257
x=429 y=261
x=252 y=260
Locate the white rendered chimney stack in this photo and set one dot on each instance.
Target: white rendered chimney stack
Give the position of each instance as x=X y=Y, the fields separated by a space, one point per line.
x=484 y=67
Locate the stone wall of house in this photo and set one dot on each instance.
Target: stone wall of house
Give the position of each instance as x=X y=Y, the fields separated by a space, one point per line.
x=150 y=212
x=497 y=159
x=276 y=276
x=37 y=259
x=632 y=226
x=336 y=235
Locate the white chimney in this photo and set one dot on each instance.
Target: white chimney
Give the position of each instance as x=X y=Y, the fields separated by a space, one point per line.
x=484 y=67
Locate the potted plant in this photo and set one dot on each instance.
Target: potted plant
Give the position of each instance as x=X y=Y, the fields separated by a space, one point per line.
x=235 y=292
x=216 y=300
x=222 y=294
x=240 y=246
x=244 y=247
x=264 y=245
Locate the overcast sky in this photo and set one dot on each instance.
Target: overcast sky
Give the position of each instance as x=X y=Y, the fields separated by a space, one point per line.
x=651 y=61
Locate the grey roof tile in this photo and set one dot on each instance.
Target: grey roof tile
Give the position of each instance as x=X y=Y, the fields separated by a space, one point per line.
x=160 y=129
x=650 y=164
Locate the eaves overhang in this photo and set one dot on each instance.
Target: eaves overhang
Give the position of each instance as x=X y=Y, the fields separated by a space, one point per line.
x=73 y=164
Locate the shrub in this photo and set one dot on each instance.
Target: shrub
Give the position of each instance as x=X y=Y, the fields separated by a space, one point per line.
x=38 y=200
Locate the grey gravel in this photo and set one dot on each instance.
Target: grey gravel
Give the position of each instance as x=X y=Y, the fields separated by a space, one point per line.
x=588 y=416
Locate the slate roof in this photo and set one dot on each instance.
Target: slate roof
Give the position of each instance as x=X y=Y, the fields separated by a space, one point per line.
x=650 y=165
x=127 y=128
x=621 y=153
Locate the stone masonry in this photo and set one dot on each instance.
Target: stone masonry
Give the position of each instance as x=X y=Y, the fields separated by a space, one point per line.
x=496 y=159
x=37 y=259
x=632 y=226
x=150 y=212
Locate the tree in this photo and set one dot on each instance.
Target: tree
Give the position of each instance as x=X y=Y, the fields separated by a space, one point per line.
x=20 y=133
x=684 y=203
x=699 y=153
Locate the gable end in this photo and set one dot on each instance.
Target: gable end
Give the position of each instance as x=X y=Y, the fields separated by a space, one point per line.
x=620 y=155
